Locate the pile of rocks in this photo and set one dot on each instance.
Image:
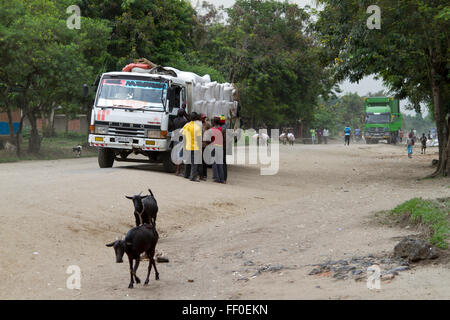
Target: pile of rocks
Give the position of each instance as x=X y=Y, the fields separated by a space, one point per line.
x=356 y=267
x=407 y=251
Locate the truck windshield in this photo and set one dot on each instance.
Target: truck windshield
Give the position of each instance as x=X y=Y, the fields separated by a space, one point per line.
x=132 y=94
x=377 y=118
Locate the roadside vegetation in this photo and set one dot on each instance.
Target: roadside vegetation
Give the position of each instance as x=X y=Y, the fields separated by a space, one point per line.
x=58 y=147
x=286 y=61
x=430 y=217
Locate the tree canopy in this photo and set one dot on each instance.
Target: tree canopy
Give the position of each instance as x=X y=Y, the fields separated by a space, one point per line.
x=409 y=52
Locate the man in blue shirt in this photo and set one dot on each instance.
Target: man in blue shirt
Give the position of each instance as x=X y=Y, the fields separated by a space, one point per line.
x=347 y=132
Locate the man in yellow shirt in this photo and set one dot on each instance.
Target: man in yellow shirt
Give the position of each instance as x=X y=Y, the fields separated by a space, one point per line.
x=192 y=133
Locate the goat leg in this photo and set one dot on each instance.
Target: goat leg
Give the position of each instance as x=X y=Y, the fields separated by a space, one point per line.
x=136 y=265
x=130 y=286
x=156 y=270
x=149 y=267
x=151 y=256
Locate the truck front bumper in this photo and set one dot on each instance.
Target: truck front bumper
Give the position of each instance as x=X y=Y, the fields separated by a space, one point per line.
x=379 y=136
x=129 y=143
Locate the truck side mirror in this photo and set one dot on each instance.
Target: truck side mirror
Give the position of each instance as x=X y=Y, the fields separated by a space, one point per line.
x=85 y=90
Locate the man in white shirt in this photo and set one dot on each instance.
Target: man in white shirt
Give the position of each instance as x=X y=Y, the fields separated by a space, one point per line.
x=326 y=133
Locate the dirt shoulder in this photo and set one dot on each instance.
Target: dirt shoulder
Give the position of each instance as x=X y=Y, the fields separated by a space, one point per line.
x=318 y=207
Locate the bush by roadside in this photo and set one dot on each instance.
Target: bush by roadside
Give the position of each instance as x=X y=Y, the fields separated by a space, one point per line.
x=430 y=217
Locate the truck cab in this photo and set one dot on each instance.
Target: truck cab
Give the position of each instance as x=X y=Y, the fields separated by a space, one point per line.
x=132 y=114
x=382 y=119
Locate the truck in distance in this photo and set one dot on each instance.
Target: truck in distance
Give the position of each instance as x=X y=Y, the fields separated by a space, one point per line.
x=382 y=119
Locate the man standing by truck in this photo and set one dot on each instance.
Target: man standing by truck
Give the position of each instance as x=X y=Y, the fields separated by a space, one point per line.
x=192 y=134
x=347 y=132
x=178 y=123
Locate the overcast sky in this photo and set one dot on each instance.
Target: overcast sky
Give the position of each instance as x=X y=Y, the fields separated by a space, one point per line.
x=366 y=85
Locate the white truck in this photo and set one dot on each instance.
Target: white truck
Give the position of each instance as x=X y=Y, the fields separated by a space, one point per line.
x=133 y=111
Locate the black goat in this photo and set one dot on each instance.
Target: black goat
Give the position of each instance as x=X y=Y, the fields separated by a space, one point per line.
x=138 y=240
x=145 y=208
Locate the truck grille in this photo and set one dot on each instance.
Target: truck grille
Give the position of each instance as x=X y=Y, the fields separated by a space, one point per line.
x=376 y=130
x=127 y=129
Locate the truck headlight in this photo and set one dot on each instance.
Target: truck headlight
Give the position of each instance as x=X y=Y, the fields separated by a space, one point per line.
x=156 y=134
x=101 y=129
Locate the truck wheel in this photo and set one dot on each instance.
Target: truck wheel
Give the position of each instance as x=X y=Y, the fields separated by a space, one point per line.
x=368 y=141
x=105 y=157
x=168 y=165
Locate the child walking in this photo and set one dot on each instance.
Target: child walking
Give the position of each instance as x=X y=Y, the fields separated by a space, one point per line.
x=409 y=145
x=423 y=140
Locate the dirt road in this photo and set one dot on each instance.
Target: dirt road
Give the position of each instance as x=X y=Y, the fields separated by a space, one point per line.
x=60 y=213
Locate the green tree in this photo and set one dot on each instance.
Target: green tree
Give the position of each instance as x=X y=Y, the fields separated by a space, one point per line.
x=410 y=53
x=339 y=112
x=160 y=30
x=42 y=60
x=264 y=48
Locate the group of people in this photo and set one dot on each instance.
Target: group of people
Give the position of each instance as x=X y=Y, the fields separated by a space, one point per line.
x=411 y=138
x=198 y=132
x=287 y=136
x=322 y=135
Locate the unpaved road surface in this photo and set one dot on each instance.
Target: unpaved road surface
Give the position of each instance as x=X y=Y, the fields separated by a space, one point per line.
x=55 y=214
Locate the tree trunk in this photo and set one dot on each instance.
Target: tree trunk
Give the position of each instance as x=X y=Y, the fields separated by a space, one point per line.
x=441 y=126
x=52 y=121
x=34 y=142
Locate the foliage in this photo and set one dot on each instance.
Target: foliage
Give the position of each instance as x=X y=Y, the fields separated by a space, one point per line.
x=417 y=122
x=43 y=61
x=429 y=213
x=160 y=30
x=266 y=50
x=410 y=52
x=335 y=114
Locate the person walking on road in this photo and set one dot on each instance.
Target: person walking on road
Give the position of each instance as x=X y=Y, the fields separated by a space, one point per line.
x=347 y=133
x=423 y=140
x=357 y=134
x=409 y=145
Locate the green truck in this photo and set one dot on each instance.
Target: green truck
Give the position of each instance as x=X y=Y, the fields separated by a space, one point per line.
x=382 y=119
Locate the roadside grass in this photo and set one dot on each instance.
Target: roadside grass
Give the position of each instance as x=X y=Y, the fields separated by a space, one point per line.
x=58 y=147
x=432 y=217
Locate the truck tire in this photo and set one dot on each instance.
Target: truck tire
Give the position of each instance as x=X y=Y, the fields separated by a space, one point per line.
x=168 y=165
x=368 y=141
x=105 y=157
